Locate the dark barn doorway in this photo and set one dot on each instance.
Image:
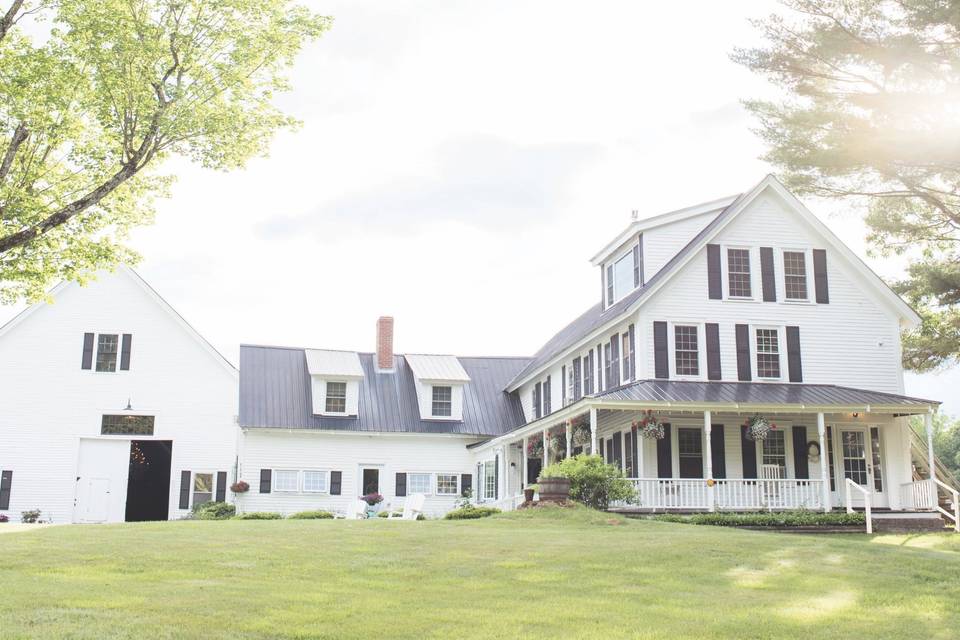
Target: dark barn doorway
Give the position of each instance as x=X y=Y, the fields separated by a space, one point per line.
x=148 y=482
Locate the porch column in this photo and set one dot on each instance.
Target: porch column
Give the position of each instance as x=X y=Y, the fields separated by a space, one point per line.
x=707 y=427
x=569 y=434
x=526 y=466
x=931 y=459
x=546 y=448
x=502 y=473
x=593 y=431
x=824 y=463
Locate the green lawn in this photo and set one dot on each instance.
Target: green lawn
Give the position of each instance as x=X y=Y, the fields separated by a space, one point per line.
x=536 y=575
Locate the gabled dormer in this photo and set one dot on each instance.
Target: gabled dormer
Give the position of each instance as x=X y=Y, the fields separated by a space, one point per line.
x=335 y=381
x=439 y=381
x=622 y=271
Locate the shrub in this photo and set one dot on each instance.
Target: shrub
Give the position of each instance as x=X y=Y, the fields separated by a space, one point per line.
x=31 y=516
x=470 y=512
x=592 y=481
x=777 y=519
x=311 y=515
x=258 y=515
x=214 y=511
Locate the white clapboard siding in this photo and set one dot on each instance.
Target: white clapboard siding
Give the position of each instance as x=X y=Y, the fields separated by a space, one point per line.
x=663 y=242
x=49 y=402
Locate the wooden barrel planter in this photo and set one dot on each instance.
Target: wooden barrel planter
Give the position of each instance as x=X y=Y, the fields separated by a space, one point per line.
x=554 y=489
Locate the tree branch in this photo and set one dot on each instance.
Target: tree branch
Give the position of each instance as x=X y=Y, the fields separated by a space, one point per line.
x=19 y=135
x=10 y=17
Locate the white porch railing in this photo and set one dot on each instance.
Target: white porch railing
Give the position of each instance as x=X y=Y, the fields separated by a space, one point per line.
x=736 y=495
x=849 y=484
x=924 y=495
x=510 y=503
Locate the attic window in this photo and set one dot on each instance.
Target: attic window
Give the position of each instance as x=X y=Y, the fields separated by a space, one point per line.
x=623 y=276
x=107 y=352
x=336 y=397
x=442 y=401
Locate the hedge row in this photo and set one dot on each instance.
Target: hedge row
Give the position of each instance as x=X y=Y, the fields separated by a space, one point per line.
x=777 y=519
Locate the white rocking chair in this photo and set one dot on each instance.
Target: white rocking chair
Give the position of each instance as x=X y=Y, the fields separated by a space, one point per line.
x=412 y=507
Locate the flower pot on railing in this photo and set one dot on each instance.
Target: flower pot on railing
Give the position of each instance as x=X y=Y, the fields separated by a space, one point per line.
x=554 y=489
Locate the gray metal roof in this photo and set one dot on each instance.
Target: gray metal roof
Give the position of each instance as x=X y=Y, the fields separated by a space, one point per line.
x=595 y=317
x=275 y=392
x=760 y=393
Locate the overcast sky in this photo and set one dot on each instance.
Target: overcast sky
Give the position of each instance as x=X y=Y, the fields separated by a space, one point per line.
x=459 y=163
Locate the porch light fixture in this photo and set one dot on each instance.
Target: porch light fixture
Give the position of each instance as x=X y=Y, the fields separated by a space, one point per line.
x=856 y=415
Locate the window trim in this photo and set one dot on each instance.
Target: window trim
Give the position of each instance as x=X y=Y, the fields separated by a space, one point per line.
x=326 y=397
x=754 y=253
x=488 y=476
x=701 y=349
x=193 y=485
x=433 y=401
x=755 y=353
x=430 y=482
x=273 y=481
x=782 y=275
x=96 y=350
x=326 y=481
x=787 y=428
x=610 y=273
x=456 y=483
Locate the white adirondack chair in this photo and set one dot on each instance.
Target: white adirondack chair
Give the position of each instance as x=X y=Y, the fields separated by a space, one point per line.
x=359 y=511
x=412 y=507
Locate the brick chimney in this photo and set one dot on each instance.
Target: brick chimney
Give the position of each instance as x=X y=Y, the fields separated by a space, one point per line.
x=385 y=343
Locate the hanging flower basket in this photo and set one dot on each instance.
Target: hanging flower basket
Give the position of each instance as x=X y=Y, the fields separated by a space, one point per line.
x=240 y=486
x=558 y=444
x=758 y=427
x=649 y=426
x=535 y=447
x=581 y=435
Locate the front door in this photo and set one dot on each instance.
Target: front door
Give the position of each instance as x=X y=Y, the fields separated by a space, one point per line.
x=371 y=481
x=860 y=461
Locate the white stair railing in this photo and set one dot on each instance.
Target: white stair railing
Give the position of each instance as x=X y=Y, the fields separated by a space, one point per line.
x=866 y=501
x=954 y=503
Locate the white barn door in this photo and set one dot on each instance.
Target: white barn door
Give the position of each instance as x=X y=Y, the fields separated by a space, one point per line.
x=102 y=481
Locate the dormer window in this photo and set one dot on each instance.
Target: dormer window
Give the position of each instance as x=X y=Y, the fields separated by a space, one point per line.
x=442 y=401
x=336 y=401
x=623 y=274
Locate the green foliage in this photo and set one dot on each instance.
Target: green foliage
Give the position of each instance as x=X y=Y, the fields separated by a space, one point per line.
x=946 y=439
x=311 y=515
x=777 y=519
x=214 y=511
x=258 y=515
x=30 y=516
x=471 y=512
x=592 y=481
x=89 y=111
x=870 y=117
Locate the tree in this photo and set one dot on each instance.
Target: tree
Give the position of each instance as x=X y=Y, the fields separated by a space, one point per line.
x=946 y=439
x=871 y=114
x=88 y=114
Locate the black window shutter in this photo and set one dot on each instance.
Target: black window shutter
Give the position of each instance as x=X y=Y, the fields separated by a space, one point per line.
x=714 y=370
x=184 y=489
x=794 y=361
x=125 y=351
x=221 y=486
x=636 y=265
x=749 y=453
x=496 y=477
x=87 y=360
x=820 y=276
x=577 y=393
x=536 y=401
x=546 y=396
x=336 y=482
x=633 y=353
x=743 y=353
x=767 y=277
x=466 y=484
x=615 y=359
x=801 y=464
x=635 y=471
x=714 y=282
x=719 y=454
x=602 y=456
x=618 y=449
x=266 y=475
x=6 y=480
x=664 y=454
x=660 y=355
x=401 y=485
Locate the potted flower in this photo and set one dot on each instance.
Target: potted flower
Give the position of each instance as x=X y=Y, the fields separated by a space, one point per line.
x=372 y=500
x=553 y=488
x=240 y=486
x=4 y=517
x=758 y=427
x=649 y=425
x=535 y=448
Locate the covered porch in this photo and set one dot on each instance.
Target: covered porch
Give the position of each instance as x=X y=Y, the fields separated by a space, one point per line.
x=692 y=446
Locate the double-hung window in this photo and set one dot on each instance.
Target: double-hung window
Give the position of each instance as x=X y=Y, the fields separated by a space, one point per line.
x=202 y=488
x=107 y=344
x=447 y=484
x=775 y=451
x=686 y=348
x=286 y=480
x=489 y=480
x=336 y=397
x=625 y=355
x=768 y=353
x=795 y=275
x=738 y=273
x=315 y=481
x=442 y=401
x=418 y=483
